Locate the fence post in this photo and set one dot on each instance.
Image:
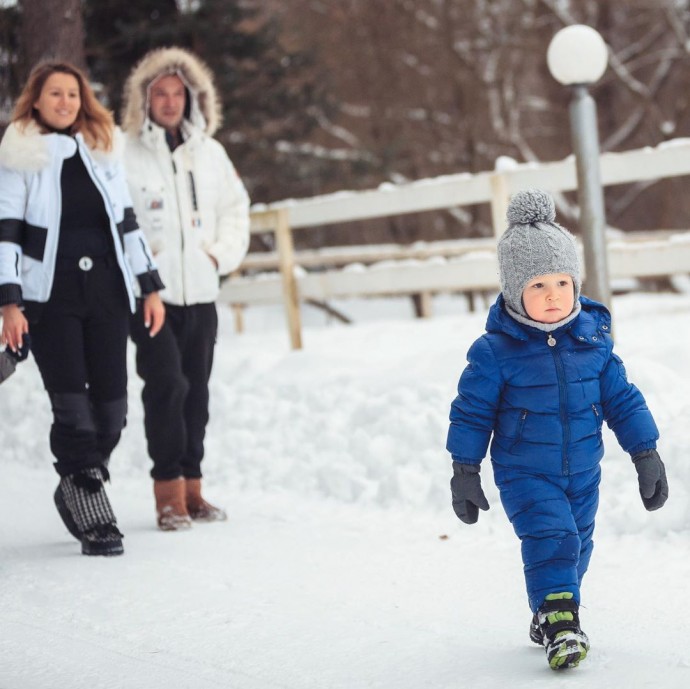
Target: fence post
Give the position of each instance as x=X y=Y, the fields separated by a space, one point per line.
x=238 y=312
x=286 y=258
x=423 y=304
x=499 y=202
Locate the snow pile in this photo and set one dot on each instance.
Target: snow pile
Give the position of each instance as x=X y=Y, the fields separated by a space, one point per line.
x=360 y=414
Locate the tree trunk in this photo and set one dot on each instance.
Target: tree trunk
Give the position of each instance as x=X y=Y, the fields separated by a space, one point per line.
x=52 y=30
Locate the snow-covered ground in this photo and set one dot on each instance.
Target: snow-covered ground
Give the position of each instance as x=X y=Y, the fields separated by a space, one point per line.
x=342 y=564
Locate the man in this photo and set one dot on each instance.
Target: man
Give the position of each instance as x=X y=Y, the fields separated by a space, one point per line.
x=194 y=211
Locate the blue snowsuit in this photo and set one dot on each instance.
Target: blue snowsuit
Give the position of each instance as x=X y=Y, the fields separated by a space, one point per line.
x=544 y=397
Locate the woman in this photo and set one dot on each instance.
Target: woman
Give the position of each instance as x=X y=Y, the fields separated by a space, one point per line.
x=69 y=248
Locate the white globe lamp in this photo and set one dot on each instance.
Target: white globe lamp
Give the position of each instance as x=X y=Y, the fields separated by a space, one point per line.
x=577 y=55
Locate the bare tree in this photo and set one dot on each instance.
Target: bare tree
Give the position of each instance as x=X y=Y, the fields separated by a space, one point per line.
x=52 y=29
x=427 y=87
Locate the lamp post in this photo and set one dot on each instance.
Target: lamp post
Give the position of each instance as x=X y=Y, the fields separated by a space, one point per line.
x=577 y=57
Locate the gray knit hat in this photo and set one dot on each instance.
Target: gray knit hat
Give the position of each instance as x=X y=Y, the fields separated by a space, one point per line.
x=534 y=245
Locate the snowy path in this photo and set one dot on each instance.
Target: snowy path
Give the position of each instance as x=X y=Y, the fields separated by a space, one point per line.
x=308 y=594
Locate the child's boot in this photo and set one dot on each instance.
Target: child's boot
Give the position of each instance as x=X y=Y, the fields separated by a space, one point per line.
x=535 y=632
x=564 y=642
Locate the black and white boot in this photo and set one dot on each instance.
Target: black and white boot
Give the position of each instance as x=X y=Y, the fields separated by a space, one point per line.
x=535 y=633
x=84 y=507
x=559 y=624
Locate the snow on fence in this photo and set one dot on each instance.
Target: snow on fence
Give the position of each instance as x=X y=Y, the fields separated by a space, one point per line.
x=423 y=269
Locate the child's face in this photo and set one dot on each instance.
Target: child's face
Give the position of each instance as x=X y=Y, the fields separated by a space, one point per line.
x=549 y=298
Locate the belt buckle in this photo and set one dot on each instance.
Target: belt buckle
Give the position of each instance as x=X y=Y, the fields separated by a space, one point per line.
x=86 y=263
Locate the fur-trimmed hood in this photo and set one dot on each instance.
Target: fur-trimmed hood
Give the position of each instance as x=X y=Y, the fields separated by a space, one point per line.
x=27 y=149
x=205 y=110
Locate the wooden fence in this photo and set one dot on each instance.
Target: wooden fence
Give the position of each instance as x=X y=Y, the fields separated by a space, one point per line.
x=449 y=266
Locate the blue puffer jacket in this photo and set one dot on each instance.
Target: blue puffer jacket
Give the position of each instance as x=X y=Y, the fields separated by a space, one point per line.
x=545 y=405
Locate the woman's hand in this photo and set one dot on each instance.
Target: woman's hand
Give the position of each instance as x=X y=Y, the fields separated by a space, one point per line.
x=14 y=326
x=154 y=313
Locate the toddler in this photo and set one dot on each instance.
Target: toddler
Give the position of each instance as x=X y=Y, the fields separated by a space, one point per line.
x=541 y=381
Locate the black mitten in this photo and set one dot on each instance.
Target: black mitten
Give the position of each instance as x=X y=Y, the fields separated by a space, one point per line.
x=468 y=496
x=651 y=475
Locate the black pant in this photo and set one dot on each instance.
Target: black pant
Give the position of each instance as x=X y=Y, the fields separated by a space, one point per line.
x=175 y=366
x=79 y=341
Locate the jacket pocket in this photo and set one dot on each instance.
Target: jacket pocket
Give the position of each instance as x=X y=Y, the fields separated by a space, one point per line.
x=206 y=281
x=598 y=419
x=522 y=419
x=154 y=217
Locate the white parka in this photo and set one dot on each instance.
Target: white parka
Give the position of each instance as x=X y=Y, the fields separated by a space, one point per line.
x=30 y=210
x=190 y=202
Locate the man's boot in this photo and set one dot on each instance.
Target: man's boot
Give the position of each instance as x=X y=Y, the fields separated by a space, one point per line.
x=200 y=510
x=171 y=509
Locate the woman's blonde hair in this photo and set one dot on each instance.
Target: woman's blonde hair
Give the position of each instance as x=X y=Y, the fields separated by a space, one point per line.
x=94 y=121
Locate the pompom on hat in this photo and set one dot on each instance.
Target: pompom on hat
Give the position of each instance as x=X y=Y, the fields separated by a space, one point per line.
x=534 y=244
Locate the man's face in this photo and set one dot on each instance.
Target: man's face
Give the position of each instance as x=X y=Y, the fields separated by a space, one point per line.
x=167 y=100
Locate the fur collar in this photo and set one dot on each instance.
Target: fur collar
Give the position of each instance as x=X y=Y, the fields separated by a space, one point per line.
x=26 y=149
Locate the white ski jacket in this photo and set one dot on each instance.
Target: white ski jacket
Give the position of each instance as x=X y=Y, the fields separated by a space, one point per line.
x=191 y=202
x=192 y=206
x=30 y=209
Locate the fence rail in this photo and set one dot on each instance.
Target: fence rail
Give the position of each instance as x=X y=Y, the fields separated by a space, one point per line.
x=467 y=265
